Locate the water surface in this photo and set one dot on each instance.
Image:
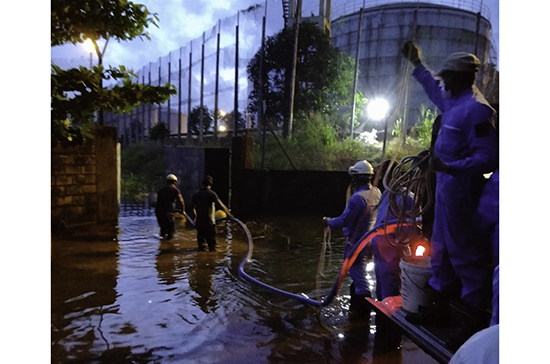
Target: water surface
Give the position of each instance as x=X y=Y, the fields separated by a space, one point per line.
x=144 y=300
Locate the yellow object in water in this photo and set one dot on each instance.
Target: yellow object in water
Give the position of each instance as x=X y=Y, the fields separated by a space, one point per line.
x=179 y=216
x=220 y=214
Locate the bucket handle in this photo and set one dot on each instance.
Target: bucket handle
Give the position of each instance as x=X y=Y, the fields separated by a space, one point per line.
x=412 y=281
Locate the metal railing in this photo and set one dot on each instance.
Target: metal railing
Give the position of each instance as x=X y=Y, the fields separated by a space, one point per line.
x=136 y=208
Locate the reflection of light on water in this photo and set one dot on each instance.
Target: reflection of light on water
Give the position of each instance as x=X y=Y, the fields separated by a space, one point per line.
x=371 y=280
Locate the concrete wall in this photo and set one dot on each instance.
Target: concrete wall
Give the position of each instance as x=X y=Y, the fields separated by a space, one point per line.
x=188 y=165
x=191 y=164
x=261 y=193
x=85 y=182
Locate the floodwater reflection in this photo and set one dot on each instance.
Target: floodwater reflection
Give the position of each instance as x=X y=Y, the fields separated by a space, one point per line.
x=145 y=300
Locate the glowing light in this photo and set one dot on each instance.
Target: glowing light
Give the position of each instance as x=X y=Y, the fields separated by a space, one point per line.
x=420 y=250
x=369 y=137
x=222 y=113
x=377 y=109
x=222 y=128
x=88 y=46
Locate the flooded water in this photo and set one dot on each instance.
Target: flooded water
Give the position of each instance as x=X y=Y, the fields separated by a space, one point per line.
x=145 y=300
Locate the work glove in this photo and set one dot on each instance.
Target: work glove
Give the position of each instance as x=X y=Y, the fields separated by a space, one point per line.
x=422 y=160
x=436 y=164
x=412 y=52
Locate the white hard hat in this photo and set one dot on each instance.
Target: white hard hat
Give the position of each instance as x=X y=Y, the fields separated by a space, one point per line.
x=171 y=177
x=361 y=167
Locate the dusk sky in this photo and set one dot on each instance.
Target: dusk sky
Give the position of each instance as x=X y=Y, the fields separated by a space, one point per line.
x=181 y=21
x=26 y=104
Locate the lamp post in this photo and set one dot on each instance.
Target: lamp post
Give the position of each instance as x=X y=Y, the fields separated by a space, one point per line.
x=377 y=110
x=89 y=47
x=92 y=46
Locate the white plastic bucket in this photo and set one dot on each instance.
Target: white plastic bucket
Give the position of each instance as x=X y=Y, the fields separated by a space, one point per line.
x=415 y=274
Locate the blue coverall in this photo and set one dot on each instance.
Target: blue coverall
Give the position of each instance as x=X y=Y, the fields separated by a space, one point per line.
x=355 y=221
x=386 y=252
x=487 y=217
x=467 y=142
x=487 y=223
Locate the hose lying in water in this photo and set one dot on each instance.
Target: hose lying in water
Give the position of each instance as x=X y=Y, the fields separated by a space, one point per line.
x=381 y=229
x=189 y=220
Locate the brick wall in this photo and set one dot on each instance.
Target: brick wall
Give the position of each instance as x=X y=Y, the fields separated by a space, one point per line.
x=85 y=183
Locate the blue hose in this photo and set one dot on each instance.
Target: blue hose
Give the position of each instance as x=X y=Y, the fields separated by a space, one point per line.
x=189 y=220
x=349 y=259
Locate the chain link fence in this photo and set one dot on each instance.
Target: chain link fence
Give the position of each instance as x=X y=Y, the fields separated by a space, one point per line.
x=210 y=74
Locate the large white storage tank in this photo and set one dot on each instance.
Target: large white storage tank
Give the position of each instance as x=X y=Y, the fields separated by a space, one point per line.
x=439 y=27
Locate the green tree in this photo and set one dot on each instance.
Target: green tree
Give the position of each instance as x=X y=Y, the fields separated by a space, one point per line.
x=424 y=126
x=159 y=132
x=229 y=120
x=324 y=76
x=194 y=120
x=314 y=146
x=77 y=94
x=142 y=169
x=491 y=91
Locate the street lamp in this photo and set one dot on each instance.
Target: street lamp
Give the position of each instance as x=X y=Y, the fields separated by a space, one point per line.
x=377 y=110
x=89 y=47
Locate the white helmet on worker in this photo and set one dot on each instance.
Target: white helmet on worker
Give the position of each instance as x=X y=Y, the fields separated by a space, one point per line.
x=172 y=177
x=361 y=167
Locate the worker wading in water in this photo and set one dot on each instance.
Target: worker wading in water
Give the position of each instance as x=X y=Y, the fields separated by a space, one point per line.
x=168 y=199
x=205 y=202
x=466 y=148
x=358 y=218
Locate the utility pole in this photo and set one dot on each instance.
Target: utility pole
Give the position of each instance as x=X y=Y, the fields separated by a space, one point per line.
x=261 y=110
x=236 y=100
x=201 y=113
x=352 y=117
x=288 y=131
x=217 y=84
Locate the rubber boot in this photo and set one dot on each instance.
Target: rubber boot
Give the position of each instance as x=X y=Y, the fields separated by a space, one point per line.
x=388 y=336
x=358 y=307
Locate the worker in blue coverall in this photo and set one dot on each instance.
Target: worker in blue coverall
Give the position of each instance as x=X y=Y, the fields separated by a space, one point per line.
x=358 y=218
x=487 y=224
x=466 y=149
x=387 y=251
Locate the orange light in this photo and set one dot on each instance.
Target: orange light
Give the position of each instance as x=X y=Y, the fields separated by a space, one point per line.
x=420 y=250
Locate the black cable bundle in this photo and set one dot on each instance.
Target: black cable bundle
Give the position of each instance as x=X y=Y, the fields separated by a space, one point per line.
x=410 y=177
